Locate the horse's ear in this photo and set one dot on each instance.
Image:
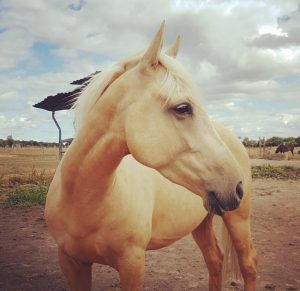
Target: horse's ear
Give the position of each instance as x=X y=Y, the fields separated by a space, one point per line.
x=150 y=58
x=172 y=51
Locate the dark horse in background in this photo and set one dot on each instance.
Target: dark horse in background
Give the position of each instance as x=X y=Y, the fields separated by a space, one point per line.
x=283 y=148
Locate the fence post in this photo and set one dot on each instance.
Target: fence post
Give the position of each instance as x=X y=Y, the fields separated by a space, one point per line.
x=259 y=144
x=264 y=147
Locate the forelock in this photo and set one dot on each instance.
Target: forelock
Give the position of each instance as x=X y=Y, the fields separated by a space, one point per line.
x=178 y=83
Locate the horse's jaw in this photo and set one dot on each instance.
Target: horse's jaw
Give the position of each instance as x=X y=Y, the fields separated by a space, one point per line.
x=220 y=188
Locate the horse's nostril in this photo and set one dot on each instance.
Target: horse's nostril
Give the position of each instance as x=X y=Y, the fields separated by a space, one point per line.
x=239 y=190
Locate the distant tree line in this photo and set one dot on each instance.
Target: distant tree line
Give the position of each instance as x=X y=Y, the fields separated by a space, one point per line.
x=273 y=141
x=10 y=142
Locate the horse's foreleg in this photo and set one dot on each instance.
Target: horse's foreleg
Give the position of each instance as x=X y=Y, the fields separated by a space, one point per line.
x=238 y=225
x=131 y=267
x=78 y=274
x=213 y=255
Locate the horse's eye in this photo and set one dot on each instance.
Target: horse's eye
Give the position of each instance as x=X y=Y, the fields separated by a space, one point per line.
x=183 y=109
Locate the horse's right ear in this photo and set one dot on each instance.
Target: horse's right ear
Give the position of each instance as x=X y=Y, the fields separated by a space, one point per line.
x=172 y=51
x=149 y=60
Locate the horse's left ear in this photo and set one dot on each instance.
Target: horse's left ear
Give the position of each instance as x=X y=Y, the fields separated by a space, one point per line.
x=149 y=60
x=172 y=51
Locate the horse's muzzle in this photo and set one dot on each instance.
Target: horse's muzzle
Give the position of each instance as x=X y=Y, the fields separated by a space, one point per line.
x=218 y=204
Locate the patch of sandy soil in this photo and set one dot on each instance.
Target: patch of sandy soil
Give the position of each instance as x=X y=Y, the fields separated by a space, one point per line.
x=28 y=254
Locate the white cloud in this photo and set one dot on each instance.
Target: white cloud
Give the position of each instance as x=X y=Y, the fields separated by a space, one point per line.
x=236 y=50
x=14 y=48
x=20 y=122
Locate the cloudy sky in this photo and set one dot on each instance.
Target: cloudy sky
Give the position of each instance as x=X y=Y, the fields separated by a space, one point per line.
x=244 y=56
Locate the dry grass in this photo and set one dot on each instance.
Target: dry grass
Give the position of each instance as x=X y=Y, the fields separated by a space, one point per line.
x=27 y=164
x=33 y=177
x=19 y=159
x=24 y=171
x=279 y=172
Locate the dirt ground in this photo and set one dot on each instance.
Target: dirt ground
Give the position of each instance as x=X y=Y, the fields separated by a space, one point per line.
x=28 y=254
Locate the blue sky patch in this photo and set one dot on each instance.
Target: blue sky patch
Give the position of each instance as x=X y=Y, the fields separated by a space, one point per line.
x=100 y=59
x=288 y=79
x=46 y=61
x=77 y=6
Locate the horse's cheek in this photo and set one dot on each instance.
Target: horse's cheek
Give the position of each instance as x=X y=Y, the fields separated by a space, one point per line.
x=144 y=141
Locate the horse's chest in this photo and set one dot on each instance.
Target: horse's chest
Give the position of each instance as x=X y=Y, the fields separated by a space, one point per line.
x=93 y=248
x=100 y=240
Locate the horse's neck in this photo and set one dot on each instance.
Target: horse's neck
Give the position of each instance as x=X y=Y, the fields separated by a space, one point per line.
x=90 y=163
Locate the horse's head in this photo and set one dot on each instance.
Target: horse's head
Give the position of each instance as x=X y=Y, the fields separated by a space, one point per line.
x=167 y=129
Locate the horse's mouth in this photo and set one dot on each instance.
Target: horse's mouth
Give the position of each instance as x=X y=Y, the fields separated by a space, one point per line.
x=212 y=204
x=215 y=209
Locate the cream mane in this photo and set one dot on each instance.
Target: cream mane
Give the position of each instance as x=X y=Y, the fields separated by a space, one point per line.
x=175 y=84
x=91 y=93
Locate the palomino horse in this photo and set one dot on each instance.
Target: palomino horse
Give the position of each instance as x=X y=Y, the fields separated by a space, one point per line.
x=146 y=168
x=284 y=148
